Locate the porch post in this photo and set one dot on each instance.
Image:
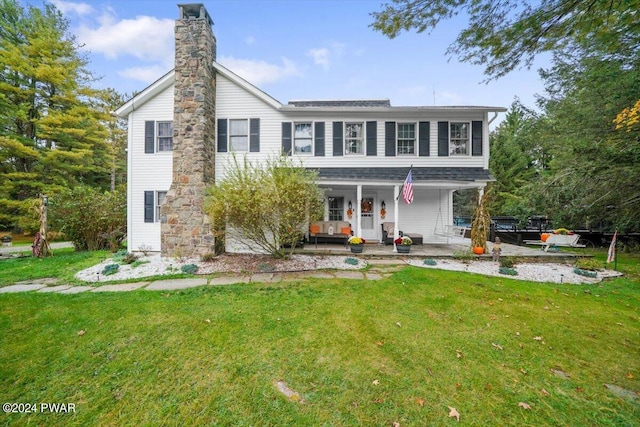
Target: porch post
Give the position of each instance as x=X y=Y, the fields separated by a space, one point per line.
x=396 y=234
x=359 y=210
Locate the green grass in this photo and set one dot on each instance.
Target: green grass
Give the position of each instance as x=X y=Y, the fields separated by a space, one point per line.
x=63 y=265
x=212 y=355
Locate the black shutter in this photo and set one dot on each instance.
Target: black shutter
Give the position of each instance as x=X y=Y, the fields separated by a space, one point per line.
x=476 y=138
x=286 y=138
x=390 y=139
x=254 y=135
x=222 y=135
x=148 y=206
x=149 y=136
x=443 y=138
x=338 y=139
x=423 y=138
x=319 y=139
x=372 y=138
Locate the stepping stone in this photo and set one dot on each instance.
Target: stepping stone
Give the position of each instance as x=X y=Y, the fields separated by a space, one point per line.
x=320 y=275
x=123 y=287
x=346 y=274
x=43 y=281
x=55 y=288
x=228 y=280
x=20 y=288
x=266 y=278
x=374 y=276
x=175 y=284
x=76 y=289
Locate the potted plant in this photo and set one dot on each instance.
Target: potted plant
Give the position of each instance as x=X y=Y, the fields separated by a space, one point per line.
x=403 y=244
x=356 y=244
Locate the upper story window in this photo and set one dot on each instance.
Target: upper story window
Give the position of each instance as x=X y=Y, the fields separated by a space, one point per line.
x=239 y=135
x=353 y=138
x=164 y=136
x=406 y=139
x=458 y=138
x=303 y=138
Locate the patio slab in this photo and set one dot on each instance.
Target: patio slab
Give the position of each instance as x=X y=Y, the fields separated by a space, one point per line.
x=20 y=288
x=123 y=287
x=175 y=284
x=349 y=274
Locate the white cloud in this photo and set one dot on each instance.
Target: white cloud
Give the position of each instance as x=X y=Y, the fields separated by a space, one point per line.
x=146 y=75
x=320 y=57
x=249 y=40
x=260 y=72
x=145 y=37
x=68 y=7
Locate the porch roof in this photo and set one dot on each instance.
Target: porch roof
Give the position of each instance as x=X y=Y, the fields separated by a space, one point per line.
x=418 y=174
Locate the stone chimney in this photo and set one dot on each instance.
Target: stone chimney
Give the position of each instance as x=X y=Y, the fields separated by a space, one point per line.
x=186 y=230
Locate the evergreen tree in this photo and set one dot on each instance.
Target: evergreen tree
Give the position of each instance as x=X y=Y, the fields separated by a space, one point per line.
x=52 y=133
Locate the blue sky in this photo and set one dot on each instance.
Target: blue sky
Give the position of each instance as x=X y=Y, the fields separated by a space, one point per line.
x=297 y=49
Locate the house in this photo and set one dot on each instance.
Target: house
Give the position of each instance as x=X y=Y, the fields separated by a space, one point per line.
x=184 y=128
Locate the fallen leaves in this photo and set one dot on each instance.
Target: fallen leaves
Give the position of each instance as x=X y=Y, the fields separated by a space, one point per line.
x=420 y=402
x=458 y=354
x=524 y=405
x=453 y=413
x=398 y=324
x=375 y=382
x=498 y=346
x=81 y=332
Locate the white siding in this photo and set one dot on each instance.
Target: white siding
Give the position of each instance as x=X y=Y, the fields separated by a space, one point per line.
x=147 y=172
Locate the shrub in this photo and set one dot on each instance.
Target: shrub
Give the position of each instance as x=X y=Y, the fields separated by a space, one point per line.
x=351 y=261
x=506 y=262
x=92 y=219
x=139 y=262
x=189 y=268
x=208 y=257
x=430 y=261
x=110 y=269
x=508 y=271
x=588 y=264
x=585 y=273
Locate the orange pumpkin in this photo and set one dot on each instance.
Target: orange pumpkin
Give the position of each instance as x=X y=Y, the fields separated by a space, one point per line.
x=478 y=250
x=544 y=236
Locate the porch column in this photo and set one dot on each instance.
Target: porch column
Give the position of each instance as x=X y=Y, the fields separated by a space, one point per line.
x=396 y=234
x=359 y=210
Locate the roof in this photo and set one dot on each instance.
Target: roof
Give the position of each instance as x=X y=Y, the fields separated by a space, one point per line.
x=360 y=103
x=418 y=174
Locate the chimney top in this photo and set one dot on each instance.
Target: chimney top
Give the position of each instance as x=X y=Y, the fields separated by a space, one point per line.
x=194 y=11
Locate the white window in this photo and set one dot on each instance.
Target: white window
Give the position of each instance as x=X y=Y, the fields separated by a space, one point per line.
x=303 y=138
x=160 y=195
x=353 y=138
x=458 y=138
x=239 y=135
x=406 y=139
x=165 y=136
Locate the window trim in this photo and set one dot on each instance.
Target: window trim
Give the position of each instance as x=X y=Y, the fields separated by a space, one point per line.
x=230 y=135
x=362 y=139
x=294 y=139
x=468 y=139
x=415 y=139
x=158 y=136
x=339 y=210
x=157 y=203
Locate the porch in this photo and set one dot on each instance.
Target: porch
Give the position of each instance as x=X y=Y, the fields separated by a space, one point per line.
x=455 y=248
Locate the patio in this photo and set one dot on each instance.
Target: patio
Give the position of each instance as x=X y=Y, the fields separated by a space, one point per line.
x=454 y=248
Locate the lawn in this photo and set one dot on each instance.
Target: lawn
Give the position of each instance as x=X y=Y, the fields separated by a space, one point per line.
x=405 y=349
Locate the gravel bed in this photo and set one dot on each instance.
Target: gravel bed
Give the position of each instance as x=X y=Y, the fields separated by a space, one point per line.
x=535 y=272
x=155 y=265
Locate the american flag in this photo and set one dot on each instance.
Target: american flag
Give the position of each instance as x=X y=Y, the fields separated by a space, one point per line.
x=611 y=256
x=407 y=189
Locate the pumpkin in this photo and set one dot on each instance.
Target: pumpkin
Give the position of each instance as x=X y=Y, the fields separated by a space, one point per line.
x=544 y=236
x=478 y=250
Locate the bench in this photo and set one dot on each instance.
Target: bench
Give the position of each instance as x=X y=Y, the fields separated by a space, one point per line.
x=555 y=240
x=388 y=233
x=330 y=232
